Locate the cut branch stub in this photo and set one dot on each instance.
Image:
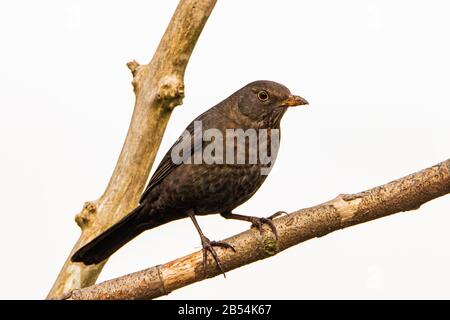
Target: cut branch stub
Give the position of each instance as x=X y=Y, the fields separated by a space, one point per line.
x=133 y=66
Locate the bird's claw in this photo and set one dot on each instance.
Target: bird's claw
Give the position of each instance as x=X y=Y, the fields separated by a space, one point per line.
x=258 y=223
x=208 y=246
x=277 y=214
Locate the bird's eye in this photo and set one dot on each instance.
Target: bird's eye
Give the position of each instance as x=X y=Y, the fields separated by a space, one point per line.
x=263 y=95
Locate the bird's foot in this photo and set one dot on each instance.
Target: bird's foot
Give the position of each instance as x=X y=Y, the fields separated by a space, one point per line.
x=208 y=246
x=258 y=222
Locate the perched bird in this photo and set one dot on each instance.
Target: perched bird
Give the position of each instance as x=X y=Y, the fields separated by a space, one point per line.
x=190 y=187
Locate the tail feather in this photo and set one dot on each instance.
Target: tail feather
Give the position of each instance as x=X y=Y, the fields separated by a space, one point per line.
x=111 y=240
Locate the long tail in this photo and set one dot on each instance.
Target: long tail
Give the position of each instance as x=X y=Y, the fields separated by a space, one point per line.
x=112 y=239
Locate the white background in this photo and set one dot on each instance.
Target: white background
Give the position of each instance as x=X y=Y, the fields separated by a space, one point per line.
x=377 y=76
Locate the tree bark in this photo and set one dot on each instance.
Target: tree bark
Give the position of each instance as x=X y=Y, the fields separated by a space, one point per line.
x=404 y=194
x=158 y=87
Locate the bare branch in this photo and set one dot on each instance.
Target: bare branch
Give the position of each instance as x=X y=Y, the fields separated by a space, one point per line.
x=404 y=194
x=159 y=87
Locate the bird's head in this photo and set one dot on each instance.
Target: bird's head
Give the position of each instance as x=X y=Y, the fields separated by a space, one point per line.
x=266 y=100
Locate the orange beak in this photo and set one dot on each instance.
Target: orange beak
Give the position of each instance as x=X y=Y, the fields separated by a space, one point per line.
x=293 y=101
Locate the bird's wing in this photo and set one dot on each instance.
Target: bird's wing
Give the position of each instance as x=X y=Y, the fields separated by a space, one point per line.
x=167 y=165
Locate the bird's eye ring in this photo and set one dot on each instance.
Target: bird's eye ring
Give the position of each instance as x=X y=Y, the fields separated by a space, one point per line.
x=263 y=95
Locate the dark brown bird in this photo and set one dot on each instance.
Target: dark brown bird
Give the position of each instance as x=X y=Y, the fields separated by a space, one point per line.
x=190 y=187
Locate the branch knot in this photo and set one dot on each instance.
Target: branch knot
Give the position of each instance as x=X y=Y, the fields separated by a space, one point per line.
x=86 y=216
x=171 y=91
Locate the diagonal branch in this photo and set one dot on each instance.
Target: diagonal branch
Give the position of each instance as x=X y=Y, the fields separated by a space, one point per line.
x=158 y=87
x=404 y=194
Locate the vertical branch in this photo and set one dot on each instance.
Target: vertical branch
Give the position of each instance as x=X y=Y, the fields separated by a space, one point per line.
x=159 y=87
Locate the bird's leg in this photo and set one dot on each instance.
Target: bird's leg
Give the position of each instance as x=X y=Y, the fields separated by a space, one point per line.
x=208 y=246
x=256 y=221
